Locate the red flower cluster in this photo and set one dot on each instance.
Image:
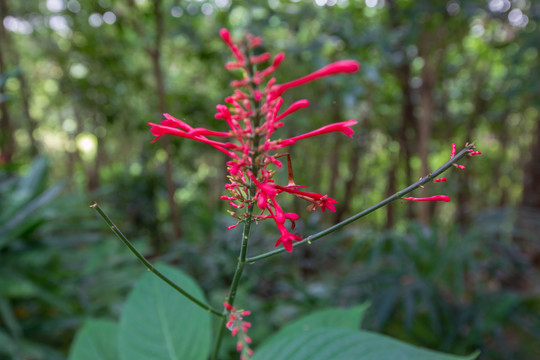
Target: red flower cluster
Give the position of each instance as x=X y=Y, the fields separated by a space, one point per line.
x=444 y=198
x=253 y=115
x=238 y=326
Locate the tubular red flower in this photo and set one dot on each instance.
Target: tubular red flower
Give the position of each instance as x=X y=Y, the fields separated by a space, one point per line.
x=226 y=36
x=230 y=227
x=344 y=66
x=439 y=180
x=269 y=70
x=288 y=216
x=174 y=122
x=206 y=132
x=223 y=197
x=324 y=203
x=431 y=198
x=254 y=41
x=294 y=107
x=259 y=58
x=286 y=239
x=344 y=127
x=233 y=65
x=160 y=130
x=278 y=59
x=317 y=200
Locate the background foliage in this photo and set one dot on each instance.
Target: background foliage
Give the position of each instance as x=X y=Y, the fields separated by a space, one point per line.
x=79 y=80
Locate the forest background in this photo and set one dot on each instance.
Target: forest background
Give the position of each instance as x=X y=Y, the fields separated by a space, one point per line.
x=79 y=80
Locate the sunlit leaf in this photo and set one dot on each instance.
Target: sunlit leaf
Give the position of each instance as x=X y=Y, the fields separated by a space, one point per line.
x=97 y=340
x=158 y=323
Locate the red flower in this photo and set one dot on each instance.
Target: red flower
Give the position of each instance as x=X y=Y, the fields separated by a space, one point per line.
x=286 y=239
x=344 y=127
x=252 y=115
x=431 y=198
x=238 y=326
x=294 y=107
x=344 y=66
x=317 y=200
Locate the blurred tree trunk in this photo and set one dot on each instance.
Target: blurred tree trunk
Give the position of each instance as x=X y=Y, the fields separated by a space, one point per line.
x=463 y=206
x=94 y=181
x=350 y=184
x=407 y=127
x=32 y=125
x=154 y=53
x=7 y=139
x=155 y=56
x=391 y=189
x=72 y=154
x=424 y=127
x=354 y=164
x=76 y=155
x=333 y=159
x=526 y=224
x=7 y=47
x=431 y=49
x=93 y=172
x=531 y=174
x=405 y=137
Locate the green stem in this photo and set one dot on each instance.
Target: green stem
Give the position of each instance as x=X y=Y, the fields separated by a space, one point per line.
x=236 y=280
x=149 y=266
x=367 y=211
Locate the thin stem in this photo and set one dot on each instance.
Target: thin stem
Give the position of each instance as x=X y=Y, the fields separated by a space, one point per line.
x=367 y=211
x=236 y=280
x=151 y=267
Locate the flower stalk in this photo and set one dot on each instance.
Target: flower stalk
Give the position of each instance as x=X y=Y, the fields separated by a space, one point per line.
x=150 y=266
x=308 y=240
x=253 y=114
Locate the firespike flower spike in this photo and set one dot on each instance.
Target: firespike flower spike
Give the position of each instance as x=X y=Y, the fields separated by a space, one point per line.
x=253 y=115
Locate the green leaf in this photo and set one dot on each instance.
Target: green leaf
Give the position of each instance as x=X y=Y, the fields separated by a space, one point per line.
x=21 y=221
x=7 y=315
x=158 y=323
x=8 y=347
x=97 y=340
x=331 y=344
x=329 y=318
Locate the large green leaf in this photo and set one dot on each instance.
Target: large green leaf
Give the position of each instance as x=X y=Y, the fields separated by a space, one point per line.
x=329 y=318
x=158 y=323
x=332 y=344
x=350 y=318
x=97 y=340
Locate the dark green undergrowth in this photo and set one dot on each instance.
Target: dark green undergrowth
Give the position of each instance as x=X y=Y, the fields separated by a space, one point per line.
x=444 y=288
